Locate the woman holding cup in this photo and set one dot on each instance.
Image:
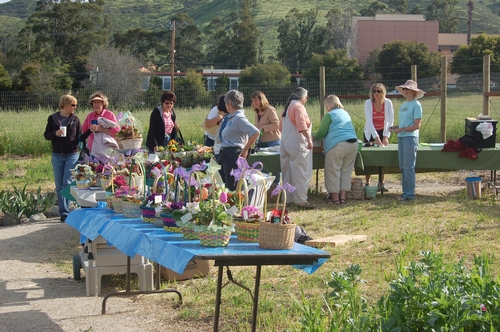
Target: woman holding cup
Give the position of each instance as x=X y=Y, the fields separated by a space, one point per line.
x=63 y=129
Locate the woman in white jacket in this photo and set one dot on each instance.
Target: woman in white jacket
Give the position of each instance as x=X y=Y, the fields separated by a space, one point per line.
x=379 y=114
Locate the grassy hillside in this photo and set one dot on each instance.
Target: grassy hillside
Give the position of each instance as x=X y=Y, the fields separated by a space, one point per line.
x=152 y=14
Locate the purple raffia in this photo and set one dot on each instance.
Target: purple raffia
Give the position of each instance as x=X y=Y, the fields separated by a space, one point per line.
x=243 y=166
x=287 y=186
x=186 y=175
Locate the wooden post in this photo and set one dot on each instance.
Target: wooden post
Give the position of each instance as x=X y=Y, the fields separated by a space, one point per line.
x=322 y=91
x=444 y=88
x=172 y=65
x=414 y=72
x=486 y=84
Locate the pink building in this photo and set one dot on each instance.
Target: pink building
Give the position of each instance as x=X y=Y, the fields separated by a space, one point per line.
x=370 y=33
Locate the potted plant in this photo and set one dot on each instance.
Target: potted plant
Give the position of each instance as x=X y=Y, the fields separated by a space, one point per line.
x=214 y=223
x=186 y=221
x=169 y=213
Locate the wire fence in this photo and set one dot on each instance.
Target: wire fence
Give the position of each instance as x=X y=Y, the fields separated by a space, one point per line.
x=193 y=96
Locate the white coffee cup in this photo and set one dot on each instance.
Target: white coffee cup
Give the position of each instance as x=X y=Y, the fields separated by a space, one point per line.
x=63 y=128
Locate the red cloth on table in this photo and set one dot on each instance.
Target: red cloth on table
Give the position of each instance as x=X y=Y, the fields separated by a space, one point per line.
x=463 y=151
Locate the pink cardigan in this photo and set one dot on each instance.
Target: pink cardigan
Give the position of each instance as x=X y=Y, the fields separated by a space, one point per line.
x=93 y=116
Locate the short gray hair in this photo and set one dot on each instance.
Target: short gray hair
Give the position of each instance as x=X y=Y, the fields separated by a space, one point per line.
x=234 y=98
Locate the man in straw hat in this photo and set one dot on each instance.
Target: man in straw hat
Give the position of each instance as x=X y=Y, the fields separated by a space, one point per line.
x=410 y=118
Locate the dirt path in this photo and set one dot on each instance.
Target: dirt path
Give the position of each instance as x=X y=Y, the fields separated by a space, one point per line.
x=36 y=295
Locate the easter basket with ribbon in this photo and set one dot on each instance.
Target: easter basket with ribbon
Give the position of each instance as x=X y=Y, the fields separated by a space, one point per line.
x=129 y=137
x=278 y=231
x=246 y=221
x=186 y=219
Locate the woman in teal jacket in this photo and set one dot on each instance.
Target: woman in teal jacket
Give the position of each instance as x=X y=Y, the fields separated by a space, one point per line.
x=340 y=149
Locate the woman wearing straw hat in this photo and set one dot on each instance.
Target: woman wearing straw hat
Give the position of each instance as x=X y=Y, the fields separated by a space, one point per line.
x=99 y=102
x=410 y=117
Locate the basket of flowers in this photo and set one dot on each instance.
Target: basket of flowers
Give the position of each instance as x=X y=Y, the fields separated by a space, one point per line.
x=152 y=203
x=132 y=206
x=186 y=222
x=214 y=223
x=129 y=137
x=84 y=176
x=278 y=231
x=119 y=195
x=171 y=212
x=246 y=221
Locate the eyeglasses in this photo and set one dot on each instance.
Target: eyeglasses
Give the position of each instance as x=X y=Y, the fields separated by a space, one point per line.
x=404 y=89
x=377 y=91
x=169 y=103
x=73 y=105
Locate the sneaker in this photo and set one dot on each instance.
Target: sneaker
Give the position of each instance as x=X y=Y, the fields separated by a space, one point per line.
x=382 y=188
x=63 y=217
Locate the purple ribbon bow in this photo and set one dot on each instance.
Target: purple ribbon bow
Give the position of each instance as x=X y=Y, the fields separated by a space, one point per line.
x=287 y=186
x=243 y=166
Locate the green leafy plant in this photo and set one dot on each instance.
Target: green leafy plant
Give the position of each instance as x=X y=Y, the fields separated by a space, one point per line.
x=21 y=202
x=427 y=295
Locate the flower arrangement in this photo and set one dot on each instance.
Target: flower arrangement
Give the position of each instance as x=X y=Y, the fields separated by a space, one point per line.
x=277 y=215
x=251 y=212
x=129 y=126
x=128 y=132
x=82 y=172
x=213 y=215
x=175 y=209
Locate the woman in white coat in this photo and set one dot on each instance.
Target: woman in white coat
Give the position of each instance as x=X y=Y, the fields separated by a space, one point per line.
x=379 y=114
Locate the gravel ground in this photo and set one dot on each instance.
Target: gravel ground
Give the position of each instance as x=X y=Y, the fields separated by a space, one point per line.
x=36 y=295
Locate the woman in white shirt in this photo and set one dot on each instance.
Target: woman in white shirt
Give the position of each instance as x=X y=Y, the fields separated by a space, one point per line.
x=379 y=114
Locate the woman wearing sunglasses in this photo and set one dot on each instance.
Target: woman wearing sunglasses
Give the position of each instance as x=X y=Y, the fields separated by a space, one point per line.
x=379 y=114
x=162 y=124
x=62 y=130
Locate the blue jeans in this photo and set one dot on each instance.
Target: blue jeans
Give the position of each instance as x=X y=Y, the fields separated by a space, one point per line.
x=61 y=164
x=407 y=155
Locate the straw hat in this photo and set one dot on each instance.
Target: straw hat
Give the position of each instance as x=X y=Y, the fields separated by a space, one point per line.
x=411 y=85
x=96 y=98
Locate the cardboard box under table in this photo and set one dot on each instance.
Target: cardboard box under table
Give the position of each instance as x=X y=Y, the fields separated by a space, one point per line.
x=194 y=269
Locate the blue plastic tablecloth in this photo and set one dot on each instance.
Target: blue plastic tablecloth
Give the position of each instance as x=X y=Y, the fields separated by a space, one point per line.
x=133 y=236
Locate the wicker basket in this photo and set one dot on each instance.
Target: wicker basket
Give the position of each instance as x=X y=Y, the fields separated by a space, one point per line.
x=247 y=231
x=117 y=204
x=148 y=213
x=210 y=238
x=277 y=235
x=84 y=184
x=131 y=144
x=189 y=234
x=131 y=210
x=169 y=223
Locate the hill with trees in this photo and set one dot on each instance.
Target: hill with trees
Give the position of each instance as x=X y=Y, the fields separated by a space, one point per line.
x=156 y=15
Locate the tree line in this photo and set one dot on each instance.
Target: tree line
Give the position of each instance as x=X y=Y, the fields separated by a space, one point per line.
x=69 y=44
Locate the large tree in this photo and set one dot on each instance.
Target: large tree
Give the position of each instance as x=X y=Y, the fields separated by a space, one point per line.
x=338 y=67
x=468 y=59
x=64 y=29
x=269 y=74
x=444 y=11
x=300 y=36
x=395 y=60
x=234 y=47
x=119 y=74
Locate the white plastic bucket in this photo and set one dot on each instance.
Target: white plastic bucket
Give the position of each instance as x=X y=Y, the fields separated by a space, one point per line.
x=473 y=187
